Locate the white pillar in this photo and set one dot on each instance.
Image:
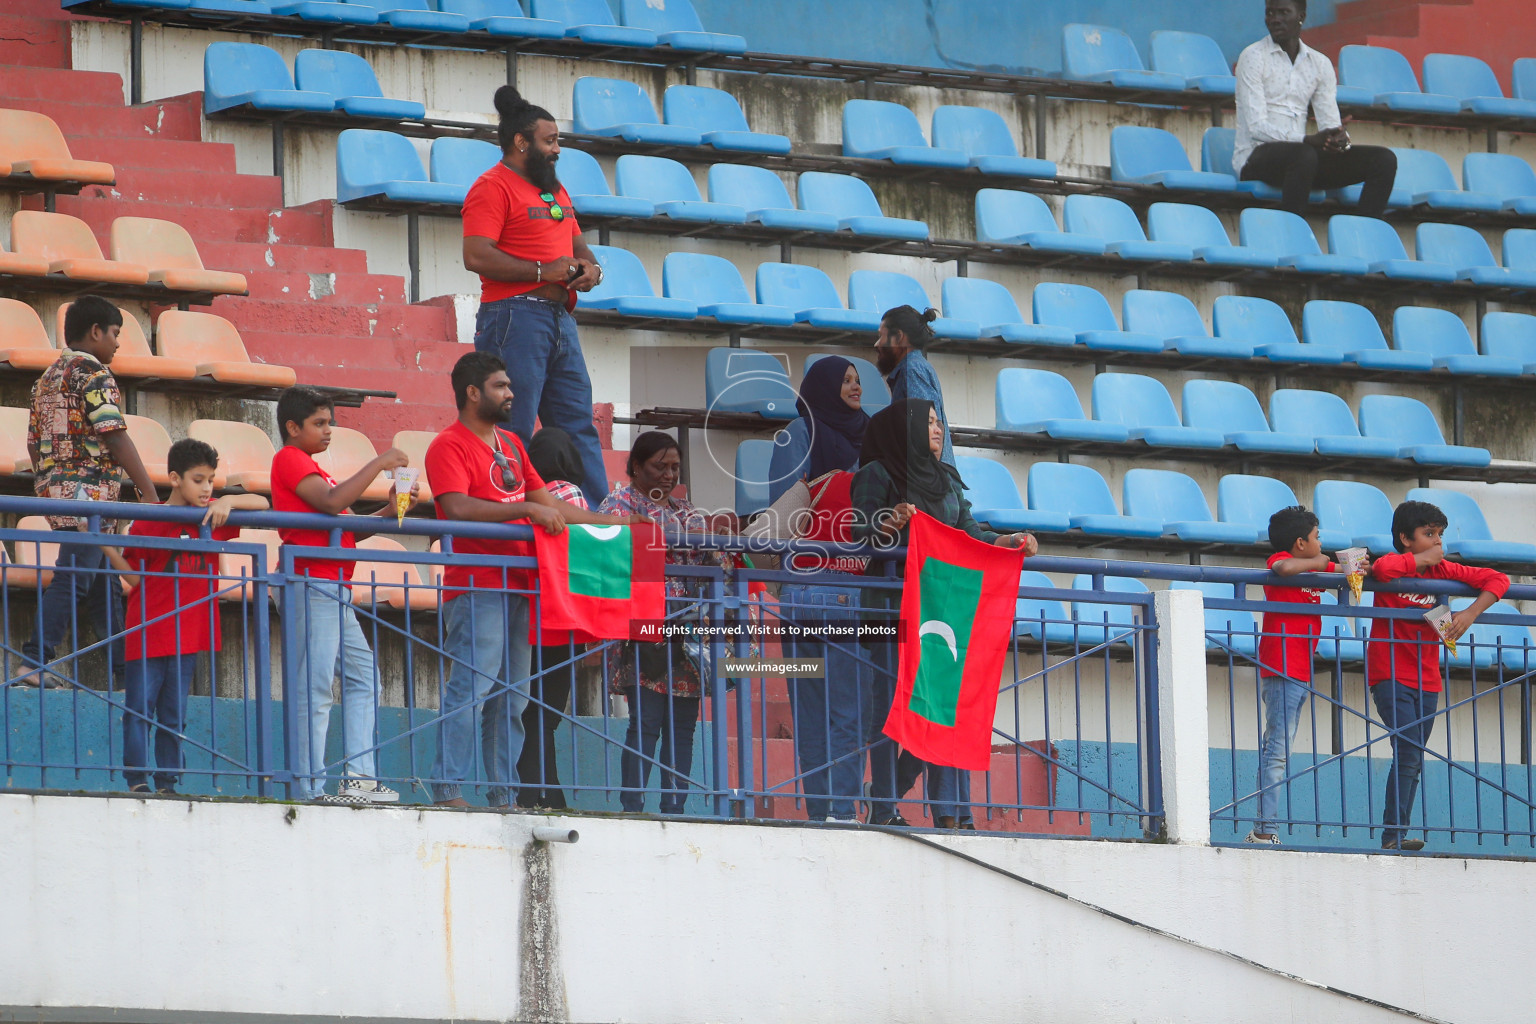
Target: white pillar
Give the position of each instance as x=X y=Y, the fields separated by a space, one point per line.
x=1184 y=729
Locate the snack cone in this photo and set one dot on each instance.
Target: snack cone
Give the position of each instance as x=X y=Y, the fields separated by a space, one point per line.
x=1440 y=618
x=405 y=479
x=1352 y=561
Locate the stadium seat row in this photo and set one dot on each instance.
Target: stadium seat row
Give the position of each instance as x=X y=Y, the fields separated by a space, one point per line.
x=144 y=252
x=35 y=156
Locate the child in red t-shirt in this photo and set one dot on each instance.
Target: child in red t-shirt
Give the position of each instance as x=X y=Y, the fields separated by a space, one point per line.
x=1287 y=643
x=172 y=616
x=1402 y=662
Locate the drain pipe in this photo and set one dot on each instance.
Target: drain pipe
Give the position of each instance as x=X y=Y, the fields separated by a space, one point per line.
x=552 y=834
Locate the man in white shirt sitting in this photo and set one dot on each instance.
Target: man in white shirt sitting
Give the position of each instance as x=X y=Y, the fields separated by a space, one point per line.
x=1277 y=80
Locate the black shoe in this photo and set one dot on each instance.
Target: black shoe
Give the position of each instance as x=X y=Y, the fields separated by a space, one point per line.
x=166 y=791
x=142 y=787
x=1406 y=845
x=894 y=821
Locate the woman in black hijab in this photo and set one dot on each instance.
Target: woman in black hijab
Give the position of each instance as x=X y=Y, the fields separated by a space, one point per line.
x=900 y=475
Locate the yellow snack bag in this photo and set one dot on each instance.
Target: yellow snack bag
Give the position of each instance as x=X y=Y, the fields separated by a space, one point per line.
x=1440 y=618
x=1351 y=562
x=405 y=479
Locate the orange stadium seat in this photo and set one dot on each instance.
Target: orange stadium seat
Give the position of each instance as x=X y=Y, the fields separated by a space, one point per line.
x=384 y=583
x=17 y=265
x=134 y=359
x=14 y=456
x=171 y=256
x=32 y=147
x=245 y=452
x=232 y=567
x=154 y=447
x=213 y=345
x=415 y=443
x=32 y=564
x=70 y=249
x=25 y=339
x=349 y=452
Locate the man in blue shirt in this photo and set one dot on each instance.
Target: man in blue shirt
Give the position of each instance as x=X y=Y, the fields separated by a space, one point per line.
x=904 y=333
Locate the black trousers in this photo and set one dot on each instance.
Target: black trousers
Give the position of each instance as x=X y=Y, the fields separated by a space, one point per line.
x=1296 y=169
x=538 y=775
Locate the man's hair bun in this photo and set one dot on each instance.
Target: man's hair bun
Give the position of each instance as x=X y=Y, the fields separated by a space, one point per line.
x=930 y=315
x=509 y=101
x=518 y=116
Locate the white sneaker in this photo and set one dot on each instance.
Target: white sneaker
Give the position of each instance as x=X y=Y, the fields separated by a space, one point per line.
x=355 y=789
x=1263 y=838
x=844 y=821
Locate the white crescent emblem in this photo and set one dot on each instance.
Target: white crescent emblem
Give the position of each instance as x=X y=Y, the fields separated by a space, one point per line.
x=943 y=631
x=601 y=532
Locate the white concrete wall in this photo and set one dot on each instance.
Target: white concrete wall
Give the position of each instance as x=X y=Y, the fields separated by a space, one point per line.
x=173 y=910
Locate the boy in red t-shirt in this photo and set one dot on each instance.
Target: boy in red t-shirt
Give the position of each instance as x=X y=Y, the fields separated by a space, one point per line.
x=176 y=594
x=329 y=640
x=1402 y=662
x=1287 y=643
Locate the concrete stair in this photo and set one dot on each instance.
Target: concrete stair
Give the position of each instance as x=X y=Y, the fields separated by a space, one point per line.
x=1498 y=31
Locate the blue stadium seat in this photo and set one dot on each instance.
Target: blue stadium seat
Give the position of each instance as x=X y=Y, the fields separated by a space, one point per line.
x=1425 y=179
x=585 y=183
x=1444 y=337
x=752 y=476
x=1339 y=642
x=1216 y=149
x=995 y=500
x=1115 y=224
x=1467 y=535
x=1381 y=77
x=592 y=21
x=1199 y=229
x=1522 y=78
x=762 y=194
x=1353 y=330
x=248 y=74
x=1465 y=249
x=1152 y=156
x=716 y=115
x=1377 y=243
x=1175 y=319
x=991 y=306
x=1520 y=250
x=876 y=291
x=1176 y=501
x=416 y=15
x=627 y=290
x=850 y=200
x=373 y=163
x=1359 y=511
x=1101 y=623
x=1472 y=82
x=1006 y=217
x=1041 y=619
x=1080 y=493
x=1097 y=53
x=880 y=130
x=743 y=380
x=877 y=394
x=677 y=25
x=350 y=81
x=1224 y=627
x=1043 y=402
x=811 y=294
x=1503 y=175
x=714 y=285
x=1086 y=312
x=1231 y=410
x=1487 y=644
x=1266 y=329
x=1327 y=418
x=1411 y=424
x=670 y=186
x=219 y=6
x=497 y=17
x=325 y=13
x=609 y=107
x=983 y=136
x=1195 y=58
x=460 y=162
x=1143 y=406
x=1251 y=500
x=1290 y=240
x=1511 y=336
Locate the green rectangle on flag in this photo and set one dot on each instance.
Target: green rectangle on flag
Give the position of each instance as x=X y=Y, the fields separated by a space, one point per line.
x=601 y=559
x=950 y=596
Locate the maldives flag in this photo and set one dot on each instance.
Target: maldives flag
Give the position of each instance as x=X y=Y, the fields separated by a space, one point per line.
x=597 y=581
x=957 y=613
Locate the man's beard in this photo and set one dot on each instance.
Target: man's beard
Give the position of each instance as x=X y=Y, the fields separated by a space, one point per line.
x=541 y=170
x=494 y=412
x=886 y=361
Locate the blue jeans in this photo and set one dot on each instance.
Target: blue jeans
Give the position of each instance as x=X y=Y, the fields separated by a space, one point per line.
x=486 y=685
x=1407 y=712
x=77 y=579
x=830 y=713
x=652 y=715
x=949 y=793
x=1283 y=700
x=155 y=690
x=330 y=643
x=537 y=340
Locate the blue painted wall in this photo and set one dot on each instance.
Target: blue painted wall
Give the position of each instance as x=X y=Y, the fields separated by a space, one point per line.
x=1005 y=35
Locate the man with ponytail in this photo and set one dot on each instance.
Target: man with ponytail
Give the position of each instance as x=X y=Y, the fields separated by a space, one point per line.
x=904 y=333
x=521 y=237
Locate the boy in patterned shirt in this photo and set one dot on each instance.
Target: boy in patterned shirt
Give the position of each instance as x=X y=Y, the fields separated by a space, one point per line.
x=77 y=437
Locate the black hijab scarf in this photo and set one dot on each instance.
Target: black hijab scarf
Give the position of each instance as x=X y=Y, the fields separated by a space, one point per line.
x=898 y=439
x=836 y=428
x=554 y=455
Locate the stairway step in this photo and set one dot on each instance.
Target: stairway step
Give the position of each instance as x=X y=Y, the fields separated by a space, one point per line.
x=396 y=356
x=211 y=228
x=43 y=83
x=315 y=318
x=230 y=191
x=28 y=41
x=336 y=289
x=259 y=255
x=154 y=153
x=174 y=118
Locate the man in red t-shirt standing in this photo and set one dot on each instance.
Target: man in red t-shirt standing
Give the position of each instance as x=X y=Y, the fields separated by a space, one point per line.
x=521 y=237
x=480 y=473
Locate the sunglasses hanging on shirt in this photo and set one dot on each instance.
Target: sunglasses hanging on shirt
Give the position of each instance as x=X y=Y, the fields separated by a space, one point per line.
x=508 y=477
x=556 y=211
